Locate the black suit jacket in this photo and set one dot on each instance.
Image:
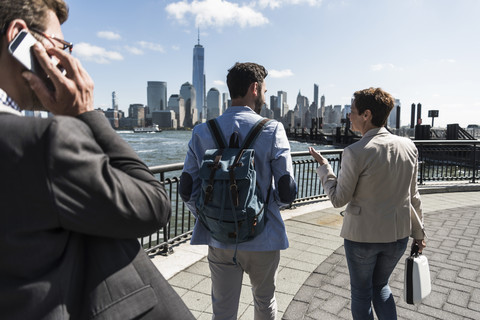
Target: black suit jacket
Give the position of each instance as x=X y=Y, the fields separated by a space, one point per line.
x=74 y=198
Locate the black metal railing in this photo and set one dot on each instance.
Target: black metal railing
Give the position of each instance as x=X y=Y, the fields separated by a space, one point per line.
x=448 y=160
x=439 y=161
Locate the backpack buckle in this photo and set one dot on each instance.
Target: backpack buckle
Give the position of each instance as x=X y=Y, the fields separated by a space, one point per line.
x=208 y=193
x=234 y=193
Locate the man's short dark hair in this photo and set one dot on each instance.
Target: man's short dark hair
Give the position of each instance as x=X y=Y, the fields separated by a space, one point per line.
x=242 y=75
x=379 y=102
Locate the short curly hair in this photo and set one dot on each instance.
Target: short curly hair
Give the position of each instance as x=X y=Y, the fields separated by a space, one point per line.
x=242 y=75
x=378 y=101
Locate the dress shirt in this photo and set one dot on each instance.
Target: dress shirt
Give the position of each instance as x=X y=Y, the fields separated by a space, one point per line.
x=272 y=158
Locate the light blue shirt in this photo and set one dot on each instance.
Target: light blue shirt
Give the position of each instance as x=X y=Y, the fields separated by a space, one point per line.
x=272 y=159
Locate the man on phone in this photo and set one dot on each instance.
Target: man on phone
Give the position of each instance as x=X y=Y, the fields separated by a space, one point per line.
x=74 y=196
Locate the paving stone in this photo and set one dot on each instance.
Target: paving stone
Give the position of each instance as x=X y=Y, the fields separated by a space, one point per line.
x=341 y=280
x=459 y=298
x=305 y=294
x=295 y=311
x=412 y=314
x=476 y=295
x=435 y=300
x=314 y=280
x=197 y=301
x=448 y=275
x=435 y=313
x=204 y=286
x=335 y=304
x=462 y=311
x=186 y=280
x=320 y=314
x=474 y=306
x=283 y=300
x=324 y=267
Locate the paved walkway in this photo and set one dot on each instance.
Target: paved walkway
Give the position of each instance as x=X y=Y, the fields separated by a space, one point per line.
x=313 y=280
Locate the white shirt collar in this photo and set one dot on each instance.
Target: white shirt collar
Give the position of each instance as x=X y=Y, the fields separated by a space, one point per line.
x=7 y=104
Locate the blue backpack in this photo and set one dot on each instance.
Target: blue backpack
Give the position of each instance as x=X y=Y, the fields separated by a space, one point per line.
x=231 y=205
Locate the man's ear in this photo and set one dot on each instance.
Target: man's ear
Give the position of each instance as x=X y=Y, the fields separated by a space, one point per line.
x=367 y=114
x=253 y=89
x=14 y=28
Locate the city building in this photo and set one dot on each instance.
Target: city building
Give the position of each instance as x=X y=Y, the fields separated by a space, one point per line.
x=225 y=102
x=282 y=103
x=113 y=117
x=177 y=104
x=315 y=95
x=114 y=101
x=394 y=115
x=164 y=119
x=321 y=110
x=266 y=112
x=187 y=92
x=303 y=112
x=136 y=113
x=213 y=104
x=198 y=79
x=156 y=97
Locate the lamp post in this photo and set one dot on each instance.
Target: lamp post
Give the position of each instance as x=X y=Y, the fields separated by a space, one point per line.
x=433 y=114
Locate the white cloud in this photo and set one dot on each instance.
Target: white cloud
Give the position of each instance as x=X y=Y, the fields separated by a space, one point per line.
x=219 y=83
x=175 y=48
x=274 y=4
x=109 y=35
x=216 y=13
x=134 y=50
x=280 y=73
x=151 y=46
x=384 y=66
x=96 y=54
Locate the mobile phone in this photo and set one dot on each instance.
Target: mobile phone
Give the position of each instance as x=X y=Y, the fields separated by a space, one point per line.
x=21 y=49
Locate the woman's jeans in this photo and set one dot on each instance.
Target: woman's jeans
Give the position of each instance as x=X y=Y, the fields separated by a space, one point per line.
x=370 y=266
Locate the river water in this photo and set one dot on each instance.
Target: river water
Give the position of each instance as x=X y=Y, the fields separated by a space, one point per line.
x=168 y=147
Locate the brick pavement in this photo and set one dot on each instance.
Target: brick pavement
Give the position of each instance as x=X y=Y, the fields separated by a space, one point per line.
x=313 y=280
x=452 y=221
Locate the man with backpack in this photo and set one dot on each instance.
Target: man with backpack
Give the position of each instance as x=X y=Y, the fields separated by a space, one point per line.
x=237 y=207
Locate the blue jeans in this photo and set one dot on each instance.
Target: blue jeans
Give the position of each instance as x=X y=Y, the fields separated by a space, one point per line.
x=370 y=266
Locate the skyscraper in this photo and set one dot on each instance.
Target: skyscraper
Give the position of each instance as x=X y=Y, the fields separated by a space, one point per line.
x=199 y=76
x=114 y=101
x=315 y=95
x=156 y=96
x=213 y=104
x=321 y=110
x=282 y=103
x=177 y=104
x=187 y=91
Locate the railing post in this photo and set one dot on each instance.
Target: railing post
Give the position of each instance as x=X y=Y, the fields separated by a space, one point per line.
x=474 y=164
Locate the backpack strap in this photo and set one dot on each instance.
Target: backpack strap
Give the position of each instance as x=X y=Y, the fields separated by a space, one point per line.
x=254 y=132
x=217 y=134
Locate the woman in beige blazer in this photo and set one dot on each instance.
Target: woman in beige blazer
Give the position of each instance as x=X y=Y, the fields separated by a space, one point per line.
x=378 y=181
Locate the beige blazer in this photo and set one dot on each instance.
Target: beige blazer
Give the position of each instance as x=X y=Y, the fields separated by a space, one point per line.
x=378 y=181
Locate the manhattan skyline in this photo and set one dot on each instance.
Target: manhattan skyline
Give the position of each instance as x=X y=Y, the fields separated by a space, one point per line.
x=419 y=51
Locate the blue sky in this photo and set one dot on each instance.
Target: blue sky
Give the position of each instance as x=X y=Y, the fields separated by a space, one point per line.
x=421 y=51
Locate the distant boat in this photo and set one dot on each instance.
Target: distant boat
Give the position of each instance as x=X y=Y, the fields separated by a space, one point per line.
x=153 y=128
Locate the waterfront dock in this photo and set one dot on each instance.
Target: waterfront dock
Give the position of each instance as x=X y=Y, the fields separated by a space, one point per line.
x=313 y=281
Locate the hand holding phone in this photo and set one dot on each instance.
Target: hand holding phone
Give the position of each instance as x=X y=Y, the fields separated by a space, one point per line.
x=73 y=91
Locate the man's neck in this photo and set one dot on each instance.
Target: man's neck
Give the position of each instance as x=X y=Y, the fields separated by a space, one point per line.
x=242 y=102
